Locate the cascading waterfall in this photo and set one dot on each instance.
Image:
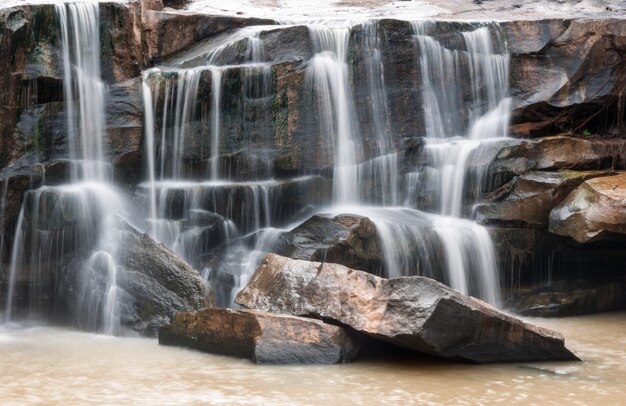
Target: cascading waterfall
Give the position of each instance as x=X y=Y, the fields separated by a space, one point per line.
x=216 y=81
x=378 y=179
x=75 y=223
x=428 y=240
x=80 y=34
x=328 y=79
x=195 y=212
x=452 y=139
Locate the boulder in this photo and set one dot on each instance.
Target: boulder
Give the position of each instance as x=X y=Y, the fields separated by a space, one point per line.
x=263 y=337
x=346 y=239
x=158 y=282
x=564 y=152
x=595 y=210
x=569 y=298
x=74 y=256
x=532 y=196
x=416 y=313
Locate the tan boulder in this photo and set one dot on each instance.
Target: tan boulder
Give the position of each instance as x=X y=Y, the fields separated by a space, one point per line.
x=263 y=337
x=416 y=313
x=595 y=210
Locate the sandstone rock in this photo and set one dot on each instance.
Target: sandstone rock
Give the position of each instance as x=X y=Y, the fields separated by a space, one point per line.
x=532 y=197
x=265 y=338
x=345 y=239
x=595 y=210
x=412 y=312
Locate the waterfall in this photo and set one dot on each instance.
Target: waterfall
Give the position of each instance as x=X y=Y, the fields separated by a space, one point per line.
x=80 y=36
x=328 y=79
x=372 y=50
x=216 y=81
x=454 y=138
x=75 y=224
x=210 y=215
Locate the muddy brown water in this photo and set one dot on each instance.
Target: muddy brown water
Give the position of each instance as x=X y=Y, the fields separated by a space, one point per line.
x=44 y=365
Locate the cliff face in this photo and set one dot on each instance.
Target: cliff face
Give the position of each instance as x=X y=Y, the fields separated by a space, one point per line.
x=568 y=78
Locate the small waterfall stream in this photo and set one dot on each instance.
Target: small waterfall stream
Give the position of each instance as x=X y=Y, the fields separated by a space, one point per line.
x=75 y=223
x=328 y=78
x=209 y=216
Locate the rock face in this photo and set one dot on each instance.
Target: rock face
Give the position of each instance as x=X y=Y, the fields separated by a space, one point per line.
x=169 y=31
x=557 y=82
x=570 y=298
x=595 y=210
x=263 y=337
x=412 y=312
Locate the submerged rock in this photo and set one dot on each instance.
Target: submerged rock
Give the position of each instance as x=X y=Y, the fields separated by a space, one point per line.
x=416 y=313
x=595 y=210
x=263 y=337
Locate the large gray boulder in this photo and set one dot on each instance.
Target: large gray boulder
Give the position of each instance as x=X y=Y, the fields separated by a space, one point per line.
x=595 y=210
x=265 y=338
x=416 y=313
x=157 y=283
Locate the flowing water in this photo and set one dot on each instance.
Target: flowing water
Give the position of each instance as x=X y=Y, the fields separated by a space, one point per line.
x=43 y=365
x=209 y=194
x=75 y=223
x=223 y=222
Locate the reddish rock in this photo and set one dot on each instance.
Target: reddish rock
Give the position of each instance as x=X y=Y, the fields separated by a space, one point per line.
x=593 y=211
x=416 y=313
x=263 y=337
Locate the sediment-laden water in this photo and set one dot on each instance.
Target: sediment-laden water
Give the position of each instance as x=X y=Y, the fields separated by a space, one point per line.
x=42 y=365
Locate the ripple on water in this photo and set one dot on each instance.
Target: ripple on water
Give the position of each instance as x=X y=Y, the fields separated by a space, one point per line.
x=53 y=365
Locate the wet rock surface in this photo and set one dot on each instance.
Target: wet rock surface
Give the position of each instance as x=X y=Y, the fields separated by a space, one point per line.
x=412 y=312
x=570 y=298
x=595 y=210
x=154 y=283
x=263 y=337
x=532 y=196
x=347 y=239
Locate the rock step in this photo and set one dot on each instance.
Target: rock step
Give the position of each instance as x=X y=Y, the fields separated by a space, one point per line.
x=416 y=313
x=263 y=337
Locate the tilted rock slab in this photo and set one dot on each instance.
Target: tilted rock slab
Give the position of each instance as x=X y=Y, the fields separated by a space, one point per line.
x=263 y=337
x=412 y=312
x=593 y=211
